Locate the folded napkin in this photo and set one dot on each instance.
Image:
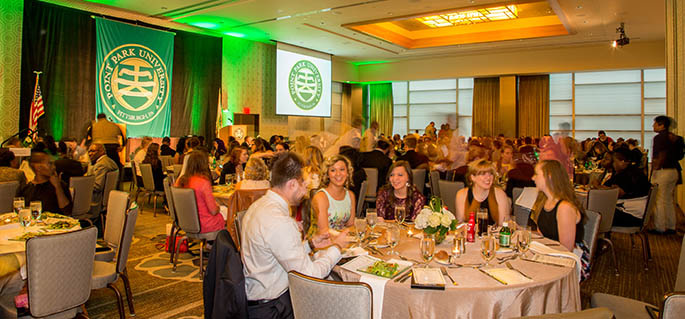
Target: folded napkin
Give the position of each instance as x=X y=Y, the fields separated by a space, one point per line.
x=507 y=275
x=354 y=252
x=540 y=248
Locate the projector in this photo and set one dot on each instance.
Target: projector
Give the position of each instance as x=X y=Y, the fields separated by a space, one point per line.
x=622 y=38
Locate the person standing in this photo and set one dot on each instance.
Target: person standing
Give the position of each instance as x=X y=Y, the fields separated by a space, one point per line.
x=430 y=130
x=378 y=159
x=104 y=132
x=369 y=138
x=665 y=173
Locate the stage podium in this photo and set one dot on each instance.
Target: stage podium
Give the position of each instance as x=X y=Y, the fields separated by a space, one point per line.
x=237 y=131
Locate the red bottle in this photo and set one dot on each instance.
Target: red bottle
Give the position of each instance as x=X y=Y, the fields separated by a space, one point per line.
x=471 y=229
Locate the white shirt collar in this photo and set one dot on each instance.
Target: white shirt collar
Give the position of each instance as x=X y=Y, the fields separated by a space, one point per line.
x=278 y=199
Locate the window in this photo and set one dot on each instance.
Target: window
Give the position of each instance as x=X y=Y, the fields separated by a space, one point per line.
x=585 y=102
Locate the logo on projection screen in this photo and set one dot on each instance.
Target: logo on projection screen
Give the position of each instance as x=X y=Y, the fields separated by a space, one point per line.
x=305 y=85
x=134 y=82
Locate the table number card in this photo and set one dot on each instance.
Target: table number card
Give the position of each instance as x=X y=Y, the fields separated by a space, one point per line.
x=427 y=278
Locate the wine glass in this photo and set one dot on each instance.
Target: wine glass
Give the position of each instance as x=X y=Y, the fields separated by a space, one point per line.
x=371 y=218
x=488 y=249
x=524 y=239
x=36 y=209
x=18 y=204
x=392 y=234
x=400 y=214
x=360 y=227
x=24 y=217
x=427 y=246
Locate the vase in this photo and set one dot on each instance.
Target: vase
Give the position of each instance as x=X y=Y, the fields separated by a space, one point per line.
x=437 y=237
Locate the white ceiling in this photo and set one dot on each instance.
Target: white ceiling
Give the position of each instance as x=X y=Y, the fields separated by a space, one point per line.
x=312 y=26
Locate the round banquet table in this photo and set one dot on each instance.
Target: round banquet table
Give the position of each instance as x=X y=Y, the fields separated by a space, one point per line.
x=554 y=289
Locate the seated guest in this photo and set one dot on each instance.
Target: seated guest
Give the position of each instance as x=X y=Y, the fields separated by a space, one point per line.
x=556 y=211
x=378 y=159
x=218 y=148
x=633 y=187
x=255 y=175
x=152 y=158
x=139 y=156
x=358 y=173
x=281 y=147
x=101 y=164
x=506 y=160
x=8 y=168
x=65 y=166
x=415 y=159
x=333 y=206
x=399 y=191
x=313 y=160
x=481 y=192
x=180 y=150
x=272 y=244
x=235 y=164
x=197 y=177
x=46 y=186
x=166 y=149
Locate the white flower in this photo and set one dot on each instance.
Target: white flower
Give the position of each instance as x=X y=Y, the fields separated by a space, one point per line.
x=421 y=221
x=445 y=220
x=448 y=213
x=434 y=220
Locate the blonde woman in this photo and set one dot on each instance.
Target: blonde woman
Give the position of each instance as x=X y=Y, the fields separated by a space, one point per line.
x=333 y=206
x=481 y=192
x=256 y=173
x=313 y=160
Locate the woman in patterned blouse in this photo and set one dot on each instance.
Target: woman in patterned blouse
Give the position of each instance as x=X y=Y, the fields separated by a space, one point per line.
x=399 y=191
x=333 y=206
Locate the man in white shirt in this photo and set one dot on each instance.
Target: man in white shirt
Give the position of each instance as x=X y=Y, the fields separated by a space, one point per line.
x=272 y=243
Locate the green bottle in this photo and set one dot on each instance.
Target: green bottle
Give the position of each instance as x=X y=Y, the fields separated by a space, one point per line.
x=504 y=235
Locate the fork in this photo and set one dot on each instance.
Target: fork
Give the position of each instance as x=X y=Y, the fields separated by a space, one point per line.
x=516 y=270
x=445 y=273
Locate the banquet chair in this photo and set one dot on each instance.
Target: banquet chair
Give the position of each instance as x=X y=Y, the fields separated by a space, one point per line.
x=189 y=221
x=168 y=182
x=521 y=214
x=7 y=192
x=237 y=223
x=448 y=194
x=111 y=182
x=167 y=160
x=82 y=197
x=603 y=201
x=116 y=206
x=641 y=231
x=372 y=185
x=149 y=186
x=360 y=203
x=591 y=231
x=593 y=313
x=58 y=271
x=134 y=178
x=177 y=170
x=105 y=274
x=318 y=298
x=672 y=306
x=434 y=179
x=419 y=177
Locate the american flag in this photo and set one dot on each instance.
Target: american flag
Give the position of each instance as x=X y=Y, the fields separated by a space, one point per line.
x=36 y=108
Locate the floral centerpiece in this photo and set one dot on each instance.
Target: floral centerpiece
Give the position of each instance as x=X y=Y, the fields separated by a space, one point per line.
x=435 y=220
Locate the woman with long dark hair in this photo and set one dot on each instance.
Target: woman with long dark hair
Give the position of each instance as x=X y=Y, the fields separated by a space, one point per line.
x=152 y=158
x=399 y=191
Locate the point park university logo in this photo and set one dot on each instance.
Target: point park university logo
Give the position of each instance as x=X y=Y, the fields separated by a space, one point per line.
x=305 y=85
x=134 y=84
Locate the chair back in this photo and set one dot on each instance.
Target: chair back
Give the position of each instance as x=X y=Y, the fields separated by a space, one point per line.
x=177 y=170
x=7 y=192
x=360 y=200
x=59 y=270
x=317 y=298
x=649 y=208
x=167 y=160
x=434 y=179
x=111 y=182
x=126 y=238
x=591 y=231
x=170 y=199
x=673 y=306
x=134 y=173
x=372 y=179
x=148 y=179
x=186 y=209
x=238 y=223
x=448 y=194
x=521 y=214
x=419 y=177
x=83 y=194
x=603 y=201
x=116 y=212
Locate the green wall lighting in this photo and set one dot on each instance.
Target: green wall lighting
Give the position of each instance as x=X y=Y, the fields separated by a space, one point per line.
x=235 y=34
x=358 y=63
x=205 y=25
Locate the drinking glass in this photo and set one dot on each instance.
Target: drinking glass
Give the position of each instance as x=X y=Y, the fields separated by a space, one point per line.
x=229 y=179
x=18 y=204
x=392 y=234
x=400 y=214
x=427 y=246
x=488 y=248
x=24 y=217
x=524 y=239
x=482 y=221
x=36 y=209
x=371 y=218
x=360 y=227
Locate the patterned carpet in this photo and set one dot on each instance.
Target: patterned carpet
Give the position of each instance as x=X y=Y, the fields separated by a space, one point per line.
x=160 y=293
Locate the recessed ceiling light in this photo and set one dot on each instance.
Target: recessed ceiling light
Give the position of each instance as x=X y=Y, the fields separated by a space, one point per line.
x=390 y=13
x=163 y=8
x=585 y=21
x=580 y=6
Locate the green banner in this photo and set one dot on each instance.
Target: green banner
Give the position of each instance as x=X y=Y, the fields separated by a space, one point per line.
x=134 y=77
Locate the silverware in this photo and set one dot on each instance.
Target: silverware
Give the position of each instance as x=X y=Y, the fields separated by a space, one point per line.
x=445 y=273
x=541 y=262
x=516 y=270
x=491 y=276
x=376 y=250
x=503 y=259
x=409 y=259
x=404 y=274
x=407 y=276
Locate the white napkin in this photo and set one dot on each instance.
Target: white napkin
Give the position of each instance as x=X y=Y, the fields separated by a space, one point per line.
x=378 y=291
x=354 y=252
x=540 y=248
x=509 y=276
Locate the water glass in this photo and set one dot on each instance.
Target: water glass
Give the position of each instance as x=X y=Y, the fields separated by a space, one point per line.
x=392 y=235
x=18 y=204
x=523 y=240
x=400 y=214
x=36 y=209
x=371 y=218
x=360 y=228
x=459 y=246
x=24 y=217
x=427 y=246
x=488 y=248
x=229 y=179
